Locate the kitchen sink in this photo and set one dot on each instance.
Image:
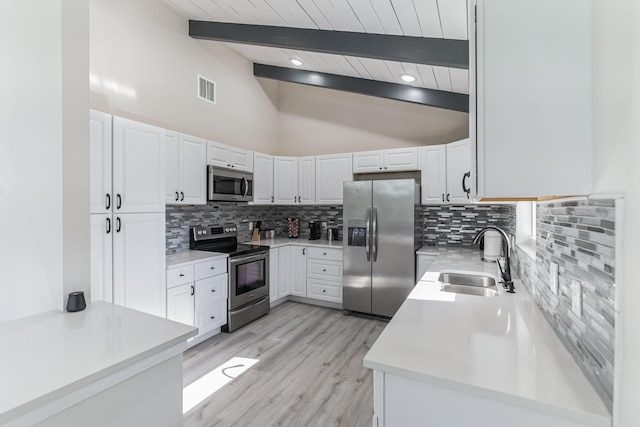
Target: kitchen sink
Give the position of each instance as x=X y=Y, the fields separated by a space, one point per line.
x=470 y=290
x=469 y=280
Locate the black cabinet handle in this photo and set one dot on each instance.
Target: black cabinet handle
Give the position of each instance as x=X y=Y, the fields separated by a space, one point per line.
x=213 y=267
x=324 y=253
x=303 y=251
x=324 y=290
x=108 y=225
x=324 y=269
x=464 y=184
x=181 y=274
x=193 y=290
x=448 y=197
x=177 y=196
x=182 y=196
x=118 y=225
x=213 y=317
x=118 y=201
x=443 y=197
x=271 y=199
x=108 y=201
x=213 y=290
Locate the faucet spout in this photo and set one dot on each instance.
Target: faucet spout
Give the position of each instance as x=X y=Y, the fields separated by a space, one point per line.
x=505 y=271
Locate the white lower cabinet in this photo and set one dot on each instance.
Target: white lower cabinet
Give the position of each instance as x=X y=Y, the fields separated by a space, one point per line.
x=197 y=295
x=274 y=275
x=284 y=268
x=139 y=262
x=423 y=262
x=101 y=257
x=324 y=274
x=298 y=271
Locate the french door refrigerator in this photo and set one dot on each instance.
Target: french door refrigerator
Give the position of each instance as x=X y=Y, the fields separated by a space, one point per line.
x=382 y=229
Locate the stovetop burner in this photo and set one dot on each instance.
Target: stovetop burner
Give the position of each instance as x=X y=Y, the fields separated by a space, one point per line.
x=221 y=239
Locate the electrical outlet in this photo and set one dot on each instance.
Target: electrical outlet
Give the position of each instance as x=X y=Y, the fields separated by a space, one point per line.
x=576 y=297
x=250 y=225
x=553 y=277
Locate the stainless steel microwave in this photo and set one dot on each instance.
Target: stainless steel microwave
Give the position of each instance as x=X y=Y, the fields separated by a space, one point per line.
x=229 y=185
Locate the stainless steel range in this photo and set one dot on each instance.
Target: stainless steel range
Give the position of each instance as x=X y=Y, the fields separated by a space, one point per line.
x=248 y=272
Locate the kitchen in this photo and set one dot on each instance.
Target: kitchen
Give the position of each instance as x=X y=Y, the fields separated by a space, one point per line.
x=261 y=120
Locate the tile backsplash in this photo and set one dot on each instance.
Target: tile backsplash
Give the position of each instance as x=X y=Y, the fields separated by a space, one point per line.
x=457 y=225
x=180 y=218
x=579 y=236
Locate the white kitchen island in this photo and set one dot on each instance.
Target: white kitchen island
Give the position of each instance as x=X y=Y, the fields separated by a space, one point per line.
x=105 y=366
x=449 y=359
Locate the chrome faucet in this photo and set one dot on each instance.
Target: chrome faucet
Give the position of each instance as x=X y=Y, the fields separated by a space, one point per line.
x=505 y=271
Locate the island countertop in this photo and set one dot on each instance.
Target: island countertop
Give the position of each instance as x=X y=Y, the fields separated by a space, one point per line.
x=495 y=347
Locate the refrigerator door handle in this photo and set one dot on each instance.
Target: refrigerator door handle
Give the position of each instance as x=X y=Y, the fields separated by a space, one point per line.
x=367 y=237
x=374 y=243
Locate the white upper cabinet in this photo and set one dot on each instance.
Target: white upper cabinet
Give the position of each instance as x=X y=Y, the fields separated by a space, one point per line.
x=459 y=172
x=100 y=162
x=532 y=109
x=395 y=160
x=226 y=156
x=368 y=161
x=331 y=172
x=262 y=179
x=446 y=173
x=139 y=262
x=307 y=180
x=138 y=167
x=285 y=180
x=185 y=169
x=434 y=174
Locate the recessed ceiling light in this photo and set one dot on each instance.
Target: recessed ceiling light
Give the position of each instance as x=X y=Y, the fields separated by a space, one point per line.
x=296 y=62
x=408 y=78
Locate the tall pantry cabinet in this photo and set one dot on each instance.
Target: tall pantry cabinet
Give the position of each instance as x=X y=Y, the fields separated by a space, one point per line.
x=127 y=213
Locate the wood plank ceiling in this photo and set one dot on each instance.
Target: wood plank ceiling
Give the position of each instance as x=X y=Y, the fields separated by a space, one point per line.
x=417 y=18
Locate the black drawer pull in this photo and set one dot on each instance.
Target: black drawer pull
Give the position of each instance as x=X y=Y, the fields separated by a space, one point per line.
x=324 y=269
x=324 y=290
x=213 y=290
x=213 y=267
x=213 y=317
x=181 y=274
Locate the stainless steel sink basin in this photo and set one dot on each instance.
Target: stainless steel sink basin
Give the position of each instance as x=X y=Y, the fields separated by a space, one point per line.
x=472 y=280
x=470 y=290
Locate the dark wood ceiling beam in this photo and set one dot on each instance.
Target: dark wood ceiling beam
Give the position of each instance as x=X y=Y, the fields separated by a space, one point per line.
x=417 y=50
x=398 y=92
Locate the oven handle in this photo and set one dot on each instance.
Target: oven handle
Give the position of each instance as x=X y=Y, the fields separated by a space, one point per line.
x=243 y=259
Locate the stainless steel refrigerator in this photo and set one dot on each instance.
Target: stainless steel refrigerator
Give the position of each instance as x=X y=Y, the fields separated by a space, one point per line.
x=382 y=228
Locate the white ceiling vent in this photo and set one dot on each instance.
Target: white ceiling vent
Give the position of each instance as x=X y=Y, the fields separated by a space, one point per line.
x=206 y=89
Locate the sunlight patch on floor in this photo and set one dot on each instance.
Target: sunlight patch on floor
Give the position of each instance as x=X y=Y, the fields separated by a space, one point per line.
x=213 y=381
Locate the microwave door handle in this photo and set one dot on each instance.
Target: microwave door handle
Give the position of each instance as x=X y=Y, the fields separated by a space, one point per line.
x=246 y=187
x=367 y=236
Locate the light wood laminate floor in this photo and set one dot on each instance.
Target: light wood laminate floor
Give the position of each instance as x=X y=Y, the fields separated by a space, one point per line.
x=309 y=372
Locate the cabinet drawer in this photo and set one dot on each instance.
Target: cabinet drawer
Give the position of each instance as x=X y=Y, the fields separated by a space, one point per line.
x=211 y=268
x=324 y=290
x=211 y=290
x=324 y=270
x=179 y=276
x=328 y=254
x=211 y=316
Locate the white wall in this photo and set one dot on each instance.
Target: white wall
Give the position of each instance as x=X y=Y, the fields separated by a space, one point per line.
x=616 y=74
x=143 y=47
x=322 y=121
x=39 y=119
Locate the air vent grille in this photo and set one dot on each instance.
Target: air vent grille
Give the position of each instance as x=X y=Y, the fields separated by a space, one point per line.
x=206 y=89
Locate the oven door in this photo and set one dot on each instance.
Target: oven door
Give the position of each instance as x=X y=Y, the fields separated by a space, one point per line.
x=232 y=185
x=248 y=279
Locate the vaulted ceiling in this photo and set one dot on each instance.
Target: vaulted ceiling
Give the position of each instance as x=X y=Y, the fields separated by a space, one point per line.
x=433 y=22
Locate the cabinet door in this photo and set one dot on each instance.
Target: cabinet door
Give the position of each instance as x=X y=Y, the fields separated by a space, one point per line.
x=284 y=271
x=139 y=262
x=218 y=154
x=100 y=162
x=331 y=172
x=101 y=257
x=285 y=180
x=193 y=170
x=368 y=161
x=307 y=180
x=274 y=275
x=434 y=174
x=299 y=271
x=172 y=168
x=181 y=304
x=458 y=172
x=138 y=167
x=401 y=159
x=211 y=290
x=241 y=159
x=262 y=179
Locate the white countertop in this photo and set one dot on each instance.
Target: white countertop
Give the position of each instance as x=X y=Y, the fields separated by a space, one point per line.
x=283 y=241
x=187 y=257
x=496 y=347
x=51 y=355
